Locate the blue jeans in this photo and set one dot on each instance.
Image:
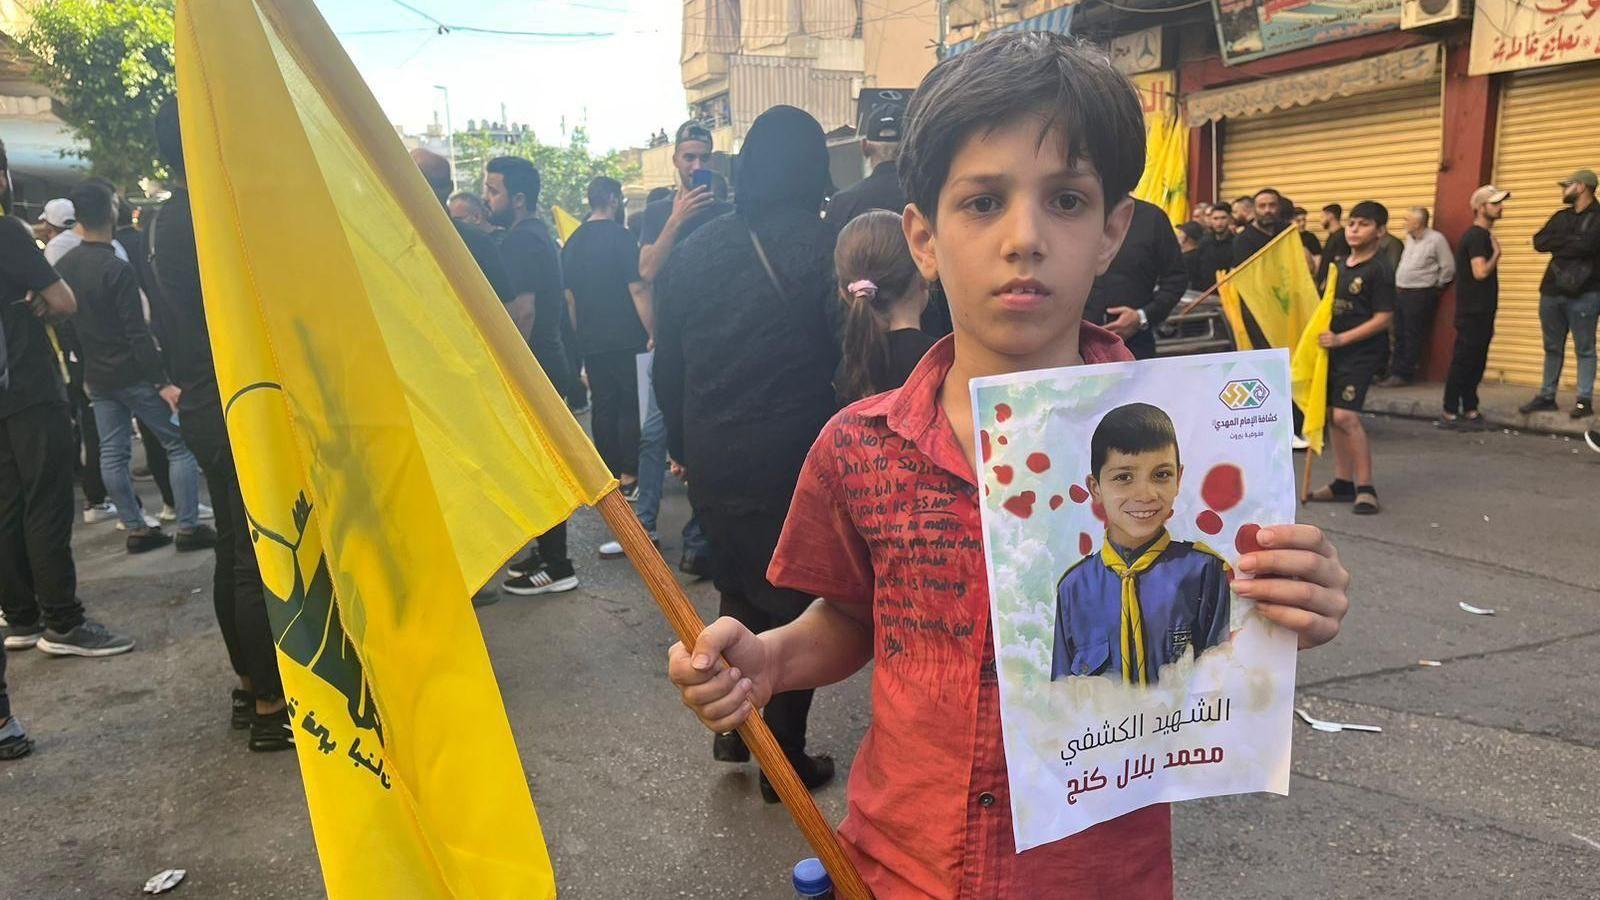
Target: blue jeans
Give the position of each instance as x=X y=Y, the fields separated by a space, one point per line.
x=114 y=412
x=1557 y=316
x=653 y=464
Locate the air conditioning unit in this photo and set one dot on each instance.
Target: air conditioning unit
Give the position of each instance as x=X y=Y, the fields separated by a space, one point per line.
x=1427 y=13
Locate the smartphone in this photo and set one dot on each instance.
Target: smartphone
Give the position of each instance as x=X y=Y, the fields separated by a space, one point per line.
x=702 y=178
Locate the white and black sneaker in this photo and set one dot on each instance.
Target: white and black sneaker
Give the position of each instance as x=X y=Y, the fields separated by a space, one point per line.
x=95 y=513
x=21 y=637
x=88 y=639
x=526 y=564
x=540 y=582
x=1591 y=436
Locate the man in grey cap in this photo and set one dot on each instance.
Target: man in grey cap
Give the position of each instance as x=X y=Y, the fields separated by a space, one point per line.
x=1569 y=295
x=1477 y=299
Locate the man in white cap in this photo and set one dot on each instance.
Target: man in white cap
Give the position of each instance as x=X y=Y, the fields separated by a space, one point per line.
x=57 y=219
x=1477 y=298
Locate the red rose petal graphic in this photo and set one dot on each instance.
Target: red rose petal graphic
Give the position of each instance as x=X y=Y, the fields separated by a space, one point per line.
x=1002 y=474
x=1085 y=543
x=1055 y=501
x=1002 y=440
x=1246 y=541
x=1002 y=413
x=1209 y=522
x=983 y=439
x=1223 y=487
x=1077 y=494
x=1020 y=505
x=1038 y=462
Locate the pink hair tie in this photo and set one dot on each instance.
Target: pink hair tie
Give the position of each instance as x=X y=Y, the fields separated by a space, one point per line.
x=863 y=289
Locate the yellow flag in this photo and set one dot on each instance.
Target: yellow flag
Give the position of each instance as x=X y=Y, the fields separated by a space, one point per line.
x=1277 y=288
x=395 y=441
x=566 y=223
x=1175 y=177
x=1308 y=371
x=1228 y=297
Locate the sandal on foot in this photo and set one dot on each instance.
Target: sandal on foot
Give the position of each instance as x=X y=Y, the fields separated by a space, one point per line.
x=1366 y=503
x=1327 y=494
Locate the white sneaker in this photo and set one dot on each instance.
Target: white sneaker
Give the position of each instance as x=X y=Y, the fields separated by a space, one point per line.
x=613 y=549
x=149 y=521
x=103 y=512
x=168 y=514
x=1300 y=443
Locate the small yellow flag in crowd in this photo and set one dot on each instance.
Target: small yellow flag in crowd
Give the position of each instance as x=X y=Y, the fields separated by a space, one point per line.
x=1165 y=181
x=1308 y=370
x=1277 y=288
x=566 y=223
x=395 y=441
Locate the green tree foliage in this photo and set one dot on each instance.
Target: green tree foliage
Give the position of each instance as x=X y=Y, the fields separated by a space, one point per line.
x=111 y=62
x=564 y=169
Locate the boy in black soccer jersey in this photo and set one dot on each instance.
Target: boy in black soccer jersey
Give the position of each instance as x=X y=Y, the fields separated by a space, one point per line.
x=1357 y=343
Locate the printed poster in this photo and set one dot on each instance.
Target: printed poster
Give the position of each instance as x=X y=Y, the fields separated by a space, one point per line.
x=1116 y=501
x=1252 y=29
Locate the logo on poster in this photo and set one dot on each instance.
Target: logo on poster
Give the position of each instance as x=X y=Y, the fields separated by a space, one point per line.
x=1247 y=393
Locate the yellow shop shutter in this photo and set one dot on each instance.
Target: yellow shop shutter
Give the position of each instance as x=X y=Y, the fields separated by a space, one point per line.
x=1381 y=146
x=1548 y=128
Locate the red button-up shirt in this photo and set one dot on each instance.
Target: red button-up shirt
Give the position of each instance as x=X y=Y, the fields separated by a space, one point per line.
x=886 y=513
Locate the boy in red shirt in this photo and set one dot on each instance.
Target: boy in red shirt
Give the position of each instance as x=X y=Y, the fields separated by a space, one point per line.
x=1017 y=162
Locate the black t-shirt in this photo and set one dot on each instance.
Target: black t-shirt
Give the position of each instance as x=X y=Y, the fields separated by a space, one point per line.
x=1472 y=295
x=1252 y=239
x=534 y=267
x=600 y=260
x=880 y=190
x=486 y=253
x=118 y=348
x=1364 y=290
x=907 y=346
x=1335 y=249
x=171 y=264
x=653 y=220
x=35 y=373
x=1310 y=242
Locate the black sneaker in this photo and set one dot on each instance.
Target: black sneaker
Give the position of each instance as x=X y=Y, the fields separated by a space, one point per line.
x=696 y=564
x=203 y=537
x=540 y=582
x=527 y=564
x=21 y=637
x=14 y=742
x=1538 y=403
x=146 y=539
x=1472 y=421
x=630 y=493
x=272 y=732
x=242 y=710
x=729 y=748
x=88 y=639
x=814 y=772
x=1583 y=409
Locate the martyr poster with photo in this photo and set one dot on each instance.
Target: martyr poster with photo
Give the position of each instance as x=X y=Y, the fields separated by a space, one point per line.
x=1116 y=499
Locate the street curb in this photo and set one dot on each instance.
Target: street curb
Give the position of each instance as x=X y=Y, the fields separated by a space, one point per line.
x=1407 y=404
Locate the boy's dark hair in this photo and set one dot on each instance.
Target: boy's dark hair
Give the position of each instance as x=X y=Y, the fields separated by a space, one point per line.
x=91 y=203
x=1336 y=209
x=1134 y=428
x=520 y=176
x=169 y=136
x=1090 y=105
x=603 y=190
x=1371 y=210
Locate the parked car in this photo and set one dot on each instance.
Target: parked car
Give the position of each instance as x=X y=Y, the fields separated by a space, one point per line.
x=1201 y=330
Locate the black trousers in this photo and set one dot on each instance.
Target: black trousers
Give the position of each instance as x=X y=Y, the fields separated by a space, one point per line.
x=236 y=588
x=1468 y=359
x=1413 y=320
x=743 y=544
x=5 y=699
x=1143 y=344
x=88 y=434
x=38 y=580
x=575 y=394
x=614 y=390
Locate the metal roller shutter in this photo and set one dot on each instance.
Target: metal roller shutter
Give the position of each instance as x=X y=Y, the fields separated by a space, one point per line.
x=1547 y=129
x=1383 y=146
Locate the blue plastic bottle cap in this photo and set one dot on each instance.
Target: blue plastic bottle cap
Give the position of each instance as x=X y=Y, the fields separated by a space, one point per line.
x=810 y=878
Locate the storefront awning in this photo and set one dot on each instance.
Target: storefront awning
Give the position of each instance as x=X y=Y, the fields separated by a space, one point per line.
x=1363 y=76
x=1058 y=20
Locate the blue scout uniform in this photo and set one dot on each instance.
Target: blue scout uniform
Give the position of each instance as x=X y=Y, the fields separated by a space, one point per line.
x=1111 y=613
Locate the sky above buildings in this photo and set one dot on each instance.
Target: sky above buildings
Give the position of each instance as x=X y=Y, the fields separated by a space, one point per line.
x=609 y=65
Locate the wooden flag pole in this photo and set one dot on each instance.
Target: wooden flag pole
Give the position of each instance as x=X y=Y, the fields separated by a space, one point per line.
x=686 y=623
x=1305 y=480
x=1234 y=271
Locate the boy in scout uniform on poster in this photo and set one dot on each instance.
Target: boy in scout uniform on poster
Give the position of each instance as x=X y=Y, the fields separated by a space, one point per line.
x=1144 y=600
x=1357 y=342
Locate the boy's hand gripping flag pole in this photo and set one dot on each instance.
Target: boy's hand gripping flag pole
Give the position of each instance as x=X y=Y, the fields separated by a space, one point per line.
x=396 y=442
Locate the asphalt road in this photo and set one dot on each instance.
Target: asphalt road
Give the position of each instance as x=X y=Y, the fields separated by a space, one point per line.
x=1484 y=783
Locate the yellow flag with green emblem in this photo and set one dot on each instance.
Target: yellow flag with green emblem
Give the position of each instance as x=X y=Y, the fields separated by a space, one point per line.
x=1276 y=287
x=395 y=441
x=1308 y=370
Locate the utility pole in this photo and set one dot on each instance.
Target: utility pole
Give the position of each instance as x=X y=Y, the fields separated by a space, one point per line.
x=944 y=28
x=449 y=132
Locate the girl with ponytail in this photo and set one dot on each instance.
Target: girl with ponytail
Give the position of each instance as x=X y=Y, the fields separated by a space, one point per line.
x=884 y=296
